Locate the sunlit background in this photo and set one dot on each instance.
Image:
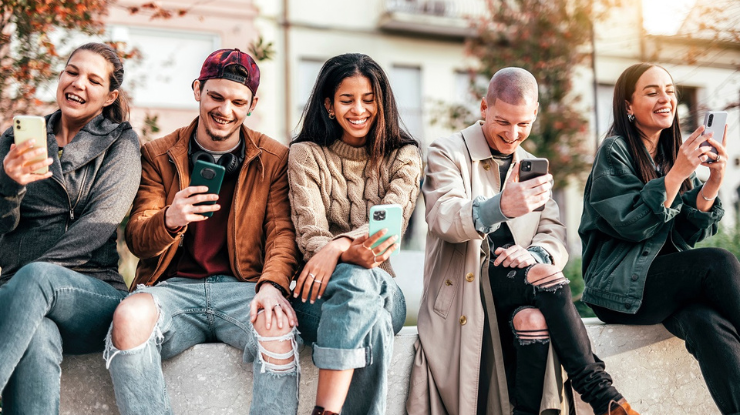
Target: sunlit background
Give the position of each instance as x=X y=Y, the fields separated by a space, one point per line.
x=665 y=17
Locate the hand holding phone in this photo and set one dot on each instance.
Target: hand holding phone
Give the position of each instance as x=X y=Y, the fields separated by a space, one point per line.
x=196 y=202
x=27 y=159
x=386 y=217
x=531 y=168
x=714 y=122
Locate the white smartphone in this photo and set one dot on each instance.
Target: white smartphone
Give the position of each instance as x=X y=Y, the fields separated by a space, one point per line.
x=714 y=122
x=386 y=217
x=26 y=127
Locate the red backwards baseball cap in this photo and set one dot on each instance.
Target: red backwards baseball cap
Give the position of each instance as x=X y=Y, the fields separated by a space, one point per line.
x=216 y=62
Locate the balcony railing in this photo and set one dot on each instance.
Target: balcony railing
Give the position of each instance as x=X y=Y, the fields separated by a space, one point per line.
x=449 y=18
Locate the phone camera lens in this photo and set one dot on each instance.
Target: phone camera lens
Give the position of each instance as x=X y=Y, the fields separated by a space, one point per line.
x=711 y=118
x=208 y=173
x=527 y=166
x=379 y=215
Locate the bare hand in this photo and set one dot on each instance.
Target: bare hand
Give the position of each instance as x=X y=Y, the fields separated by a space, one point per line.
x=271 y=300
x=361 y=252
x=520 y=198
x=691 y=154
x=317 y=272
x=183 y=209
x=513 y=257
x=19 y=165
x=717 y=168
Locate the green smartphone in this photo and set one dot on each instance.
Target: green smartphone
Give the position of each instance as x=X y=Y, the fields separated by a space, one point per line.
x=386 y=217
x=26 y=127
x=210 y=175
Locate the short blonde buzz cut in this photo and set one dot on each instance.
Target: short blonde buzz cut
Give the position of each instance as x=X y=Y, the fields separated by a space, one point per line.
x=512 y=85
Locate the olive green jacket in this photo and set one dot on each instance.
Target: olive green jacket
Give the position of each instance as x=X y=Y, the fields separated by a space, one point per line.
x=624 y=226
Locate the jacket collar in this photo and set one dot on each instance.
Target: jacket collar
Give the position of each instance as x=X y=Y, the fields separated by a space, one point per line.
x=179 y=151
x=92 y=140
x=478 y=146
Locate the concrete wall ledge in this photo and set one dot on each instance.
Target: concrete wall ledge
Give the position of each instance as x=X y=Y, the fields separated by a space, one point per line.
x=649 y=366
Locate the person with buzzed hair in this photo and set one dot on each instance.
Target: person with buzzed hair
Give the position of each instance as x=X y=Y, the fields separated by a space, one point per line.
x=497 y=319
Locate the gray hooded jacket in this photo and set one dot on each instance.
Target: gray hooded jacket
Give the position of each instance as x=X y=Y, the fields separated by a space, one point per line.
x=70 y=219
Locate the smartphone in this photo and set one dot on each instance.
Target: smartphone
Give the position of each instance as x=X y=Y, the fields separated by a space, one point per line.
x=386 y=217
x=531 y=168
x=210 y=175
x=26 y=127
x=714 y=122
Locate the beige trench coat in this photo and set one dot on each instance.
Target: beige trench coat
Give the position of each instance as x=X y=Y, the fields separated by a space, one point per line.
x=446 y=370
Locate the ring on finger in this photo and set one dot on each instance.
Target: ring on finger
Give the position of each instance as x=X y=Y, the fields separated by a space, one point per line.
x=719 y=157
x=310 y=275
x=318 y=281
x=376 y=258
x=276 y=306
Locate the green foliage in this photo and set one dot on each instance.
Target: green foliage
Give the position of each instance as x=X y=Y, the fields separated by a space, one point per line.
x=262 y=51
x=727 y=238
x=549 y=38
x=573 y=272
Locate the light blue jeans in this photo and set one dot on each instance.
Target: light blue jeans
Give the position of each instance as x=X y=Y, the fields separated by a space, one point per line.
x=352 y=327
x=194 y=311
x=43 y=307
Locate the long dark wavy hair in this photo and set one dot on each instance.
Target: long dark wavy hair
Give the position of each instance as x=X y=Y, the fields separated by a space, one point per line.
x=118 y=111
x=385 y=135
x=670 y=138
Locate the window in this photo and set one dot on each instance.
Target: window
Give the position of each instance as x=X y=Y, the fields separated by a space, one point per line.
x=308 y=71
x=170 y=61
x=406 y=84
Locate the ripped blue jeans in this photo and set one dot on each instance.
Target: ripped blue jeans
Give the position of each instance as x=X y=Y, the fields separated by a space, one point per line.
x=352 y=327
x=192 y=311
x=544 y=287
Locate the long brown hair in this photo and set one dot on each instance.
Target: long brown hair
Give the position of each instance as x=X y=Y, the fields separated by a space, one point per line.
x=118 y=111
x=670 y=138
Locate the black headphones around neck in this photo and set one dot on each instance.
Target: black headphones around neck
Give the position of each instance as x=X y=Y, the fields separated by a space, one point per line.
x=229 y=161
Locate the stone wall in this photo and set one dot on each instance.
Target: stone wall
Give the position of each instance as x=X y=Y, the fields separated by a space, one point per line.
x=649 y=366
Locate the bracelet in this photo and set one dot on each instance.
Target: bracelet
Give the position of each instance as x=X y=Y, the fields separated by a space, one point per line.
x=708 y=199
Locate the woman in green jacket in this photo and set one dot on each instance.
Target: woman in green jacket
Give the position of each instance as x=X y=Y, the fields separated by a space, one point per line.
x=644 y=210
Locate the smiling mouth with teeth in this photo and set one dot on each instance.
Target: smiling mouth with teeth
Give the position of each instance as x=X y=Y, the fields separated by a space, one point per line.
x=75 y=98
x=507 y=141
x=220 y=121
x=358 y=122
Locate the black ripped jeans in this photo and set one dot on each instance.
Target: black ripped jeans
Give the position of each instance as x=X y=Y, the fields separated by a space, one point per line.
x=696 y=295
x=526 y=357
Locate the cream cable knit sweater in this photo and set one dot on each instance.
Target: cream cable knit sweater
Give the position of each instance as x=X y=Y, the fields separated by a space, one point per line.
x=332 y=190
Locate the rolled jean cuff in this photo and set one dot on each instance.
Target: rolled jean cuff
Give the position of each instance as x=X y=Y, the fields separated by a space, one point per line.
x=341 y=359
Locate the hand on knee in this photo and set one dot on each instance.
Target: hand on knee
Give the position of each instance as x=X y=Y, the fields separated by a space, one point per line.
x=529 y=326
x=134 y=321
x=277 y=345
x=545 y=276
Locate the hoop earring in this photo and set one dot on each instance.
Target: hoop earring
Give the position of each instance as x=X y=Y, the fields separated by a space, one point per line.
x=249 y=113
x=331 y=116
x=631 y=117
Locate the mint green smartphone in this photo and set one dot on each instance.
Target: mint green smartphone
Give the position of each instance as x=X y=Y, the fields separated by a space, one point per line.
x=386 y=217
x=207 y=174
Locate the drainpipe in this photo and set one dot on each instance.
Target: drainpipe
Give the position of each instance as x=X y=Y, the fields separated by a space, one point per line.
x=595 y=87
x=286 y=69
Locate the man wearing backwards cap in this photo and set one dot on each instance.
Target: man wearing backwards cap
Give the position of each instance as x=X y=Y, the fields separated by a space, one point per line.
x=200 y=279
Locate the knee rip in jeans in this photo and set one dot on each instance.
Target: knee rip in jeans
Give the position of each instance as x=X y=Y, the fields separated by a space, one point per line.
x=154 y=340
x=266 y=355
x=529 y=336
x=545 y=278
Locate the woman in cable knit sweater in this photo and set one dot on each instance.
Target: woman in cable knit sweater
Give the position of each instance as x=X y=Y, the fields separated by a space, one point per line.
x=350 y=155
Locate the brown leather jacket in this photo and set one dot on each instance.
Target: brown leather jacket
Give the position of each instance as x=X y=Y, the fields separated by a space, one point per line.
x=261 y=237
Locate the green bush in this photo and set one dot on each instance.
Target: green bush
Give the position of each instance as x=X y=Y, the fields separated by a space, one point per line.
x=573 y=272
x=726 y=237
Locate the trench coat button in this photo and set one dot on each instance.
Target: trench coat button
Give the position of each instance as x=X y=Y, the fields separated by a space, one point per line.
x=627 y=306
x=448 y=283
x=486 y=166
x=645 y=253
x=634 y=277
x=463 y=320
x=469 y=277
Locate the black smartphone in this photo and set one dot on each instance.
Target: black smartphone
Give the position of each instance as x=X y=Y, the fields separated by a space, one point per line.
x=210 y=175
x=531 y=168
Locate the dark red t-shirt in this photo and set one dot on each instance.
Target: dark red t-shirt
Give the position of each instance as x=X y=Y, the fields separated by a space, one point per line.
x=204 y=250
